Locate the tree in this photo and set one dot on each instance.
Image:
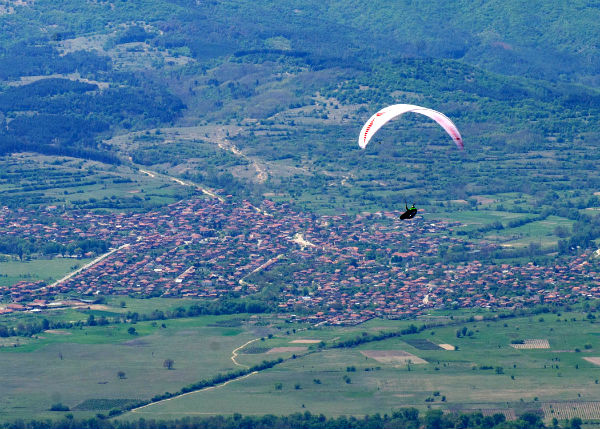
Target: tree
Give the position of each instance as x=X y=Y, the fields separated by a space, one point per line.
x=532 y=420
x=433 y=419
x=132 y=331
x=576 y=423
x=121 y=375
x=91 y=320
x=169 y=363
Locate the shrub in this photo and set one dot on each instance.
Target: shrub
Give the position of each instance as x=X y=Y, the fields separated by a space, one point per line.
x=59 y=407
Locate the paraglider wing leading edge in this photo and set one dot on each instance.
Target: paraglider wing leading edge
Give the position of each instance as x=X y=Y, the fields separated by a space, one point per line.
x=386 y=114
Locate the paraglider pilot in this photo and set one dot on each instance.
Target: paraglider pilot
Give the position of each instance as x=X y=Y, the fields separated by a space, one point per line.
x=409 y=213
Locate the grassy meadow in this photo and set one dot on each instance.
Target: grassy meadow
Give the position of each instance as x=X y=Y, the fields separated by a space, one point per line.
x=83 y=364
x=485 y=372
x=49 y=270
x=39 y=180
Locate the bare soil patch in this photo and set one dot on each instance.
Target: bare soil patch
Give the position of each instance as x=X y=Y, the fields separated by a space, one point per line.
x=100 y=307
x=57 y=332
x=305 y=341
x=287 y=349
x=447 y=346
x=392 y=356
x=594 y=360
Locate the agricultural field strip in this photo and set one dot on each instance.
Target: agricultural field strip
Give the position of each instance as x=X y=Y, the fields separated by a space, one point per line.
x=393 y=356
x=586 y=410
x=533 y=344
x=532 y=382
x=446 y=334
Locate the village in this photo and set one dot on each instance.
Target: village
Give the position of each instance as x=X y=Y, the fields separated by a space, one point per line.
x=331 y=269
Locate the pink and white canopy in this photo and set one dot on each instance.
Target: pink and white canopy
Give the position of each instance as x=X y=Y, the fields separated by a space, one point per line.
x=386 y=114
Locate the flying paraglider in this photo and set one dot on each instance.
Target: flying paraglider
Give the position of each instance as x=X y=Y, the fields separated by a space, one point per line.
x=409 y=213
x=386 y=114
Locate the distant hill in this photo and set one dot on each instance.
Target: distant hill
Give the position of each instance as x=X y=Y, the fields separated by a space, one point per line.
x=552 y=40
x=266 y=97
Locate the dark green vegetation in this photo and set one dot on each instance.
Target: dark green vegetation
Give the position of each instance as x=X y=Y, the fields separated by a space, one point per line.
x=402 y=419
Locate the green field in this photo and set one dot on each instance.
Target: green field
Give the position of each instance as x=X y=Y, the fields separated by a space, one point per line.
x=536 y=231
x=48 y=270
x=73 y=183
x=81 y=366
x=528 y=379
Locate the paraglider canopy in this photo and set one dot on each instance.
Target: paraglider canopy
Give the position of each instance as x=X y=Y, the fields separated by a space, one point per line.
x=386 y=114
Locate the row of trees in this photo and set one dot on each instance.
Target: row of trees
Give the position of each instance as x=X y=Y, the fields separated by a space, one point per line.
x=408 y=418
x=200 y=385
x=22 y=247
x=217 y=307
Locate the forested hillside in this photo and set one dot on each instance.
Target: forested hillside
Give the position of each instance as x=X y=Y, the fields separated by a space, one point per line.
x=265 y=99
x=556 y=41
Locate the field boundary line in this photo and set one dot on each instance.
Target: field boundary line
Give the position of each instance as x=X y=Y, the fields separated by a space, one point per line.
x=234 y=353
x=181 y=182
x=133 y=410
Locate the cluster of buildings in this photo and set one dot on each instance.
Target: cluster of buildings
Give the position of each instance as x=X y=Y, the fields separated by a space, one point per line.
x=342 y=269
